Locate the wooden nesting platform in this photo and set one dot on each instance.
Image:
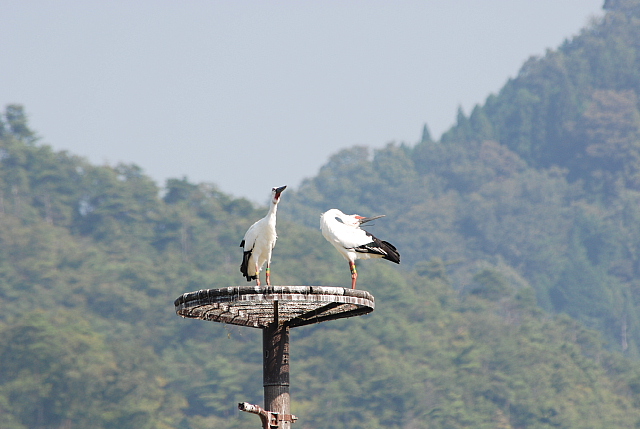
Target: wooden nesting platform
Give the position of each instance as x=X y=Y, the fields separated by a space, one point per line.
x=260 y=306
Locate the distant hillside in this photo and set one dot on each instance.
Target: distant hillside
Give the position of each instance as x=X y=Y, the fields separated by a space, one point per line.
x=91 y=259
x=576 y=107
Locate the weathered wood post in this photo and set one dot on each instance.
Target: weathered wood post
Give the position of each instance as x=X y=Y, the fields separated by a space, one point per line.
x=275 y=372
x=274 y=309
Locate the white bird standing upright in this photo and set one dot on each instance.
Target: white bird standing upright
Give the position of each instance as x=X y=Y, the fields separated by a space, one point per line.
x=259 y=241
x=353 y=242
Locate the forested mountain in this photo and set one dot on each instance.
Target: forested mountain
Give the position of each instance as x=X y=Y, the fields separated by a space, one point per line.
x=541 y=182
x=516 y=304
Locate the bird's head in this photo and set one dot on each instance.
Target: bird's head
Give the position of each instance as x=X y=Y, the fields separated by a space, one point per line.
x=353 y=220
x=275 y=194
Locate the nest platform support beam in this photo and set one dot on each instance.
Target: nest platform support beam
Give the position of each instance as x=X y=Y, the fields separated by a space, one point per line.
x=275 y=375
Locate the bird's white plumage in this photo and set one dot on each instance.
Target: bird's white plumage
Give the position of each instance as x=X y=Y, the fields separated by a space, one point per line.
x=259 y=241
x=344 y=232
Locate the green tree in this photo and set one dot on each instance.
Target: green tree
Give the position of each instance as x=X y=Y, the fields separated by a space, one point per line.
x=17 y=123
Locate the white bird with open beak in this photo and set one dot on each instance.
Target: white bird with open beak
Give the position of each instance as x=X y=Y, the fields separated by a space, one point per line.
x=259 y=241
x=353 y=242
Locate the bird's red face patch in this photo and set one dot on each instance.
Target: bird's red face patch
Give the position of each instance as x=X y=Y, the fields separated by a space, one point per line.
x=359 y=217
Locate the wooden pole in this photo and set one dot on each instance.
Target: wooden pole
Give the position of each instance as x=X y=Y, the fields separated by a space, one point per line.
x=275 y=345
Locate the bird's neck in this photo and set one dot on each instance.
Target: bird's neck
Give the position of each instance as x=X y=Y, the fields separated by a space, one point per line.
x=273 y=208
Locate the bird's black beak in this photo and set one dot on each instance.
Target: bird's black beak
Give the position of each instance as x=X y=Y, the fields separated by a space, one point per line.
x=279 y=190
x=367 y=219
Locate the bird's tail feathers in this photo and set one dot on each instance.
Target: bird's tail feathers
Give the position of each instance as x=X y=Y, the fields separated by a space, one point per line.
x=392 y=253
x=244 y=267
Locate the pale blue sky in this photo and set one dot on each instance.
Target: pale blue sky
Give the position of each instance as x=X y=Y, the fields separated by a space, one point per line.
x=254 y=94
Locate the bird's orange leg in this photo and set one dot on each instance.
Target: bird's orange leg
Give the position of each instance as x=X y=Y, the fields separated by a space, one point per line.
x=257 y=276
x=354 y=274
x=268 y=275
